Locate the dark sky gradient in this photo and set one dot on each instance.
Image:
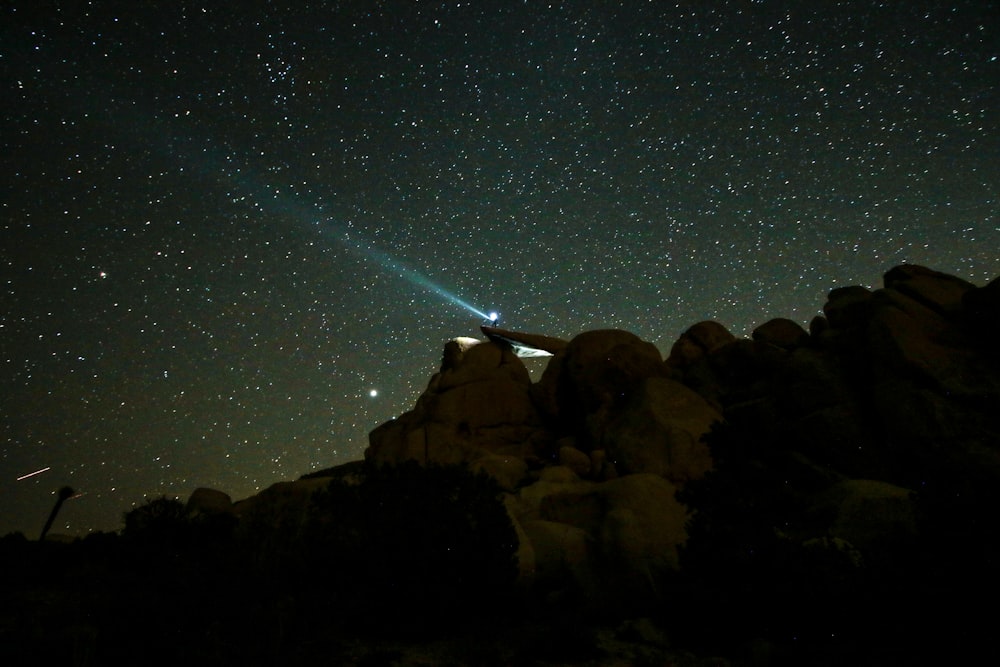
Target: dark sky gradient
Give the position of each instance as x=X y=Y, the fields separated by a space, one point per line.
x=225 y=224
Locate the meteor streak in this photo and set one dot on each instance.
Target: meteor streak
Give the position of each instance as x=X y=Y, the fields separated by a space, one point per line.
x=32 y=474
x=415 y=277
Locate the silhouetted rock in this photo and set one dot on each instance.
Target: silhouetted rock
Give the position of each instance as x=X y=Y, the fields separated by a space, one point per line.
x=868 y=513
x=660 y=431
x=592 y=376
x=636 y=524
x=698 y=341
x=884 y=386
x=982 y=309
x=208 y=502
x=938 y=291
x=781 y=332
x=847 y=306
x=575 y=460
x=476 y=410
x=601 y=543
x=799 y=466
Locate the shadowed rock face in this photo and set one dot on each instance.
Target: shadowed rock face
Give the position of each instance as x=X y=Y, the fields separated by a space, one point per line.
x=613 y=541
x=781 y=332
x=594 y=376
x=937 y=291
x=889 y=380
x=605 y=410
x=888 y=389
x=476 y=410
x=660 y=430
x=699 y=340
x=209 y=502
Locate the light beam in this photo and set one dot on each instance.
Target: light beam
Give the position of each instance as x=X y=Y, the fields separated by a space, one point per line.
x=413 y=276
x=210 y=163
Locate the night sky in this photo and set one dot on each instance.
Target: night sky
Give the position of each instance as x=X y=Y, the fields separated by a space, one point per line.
x=235 y=235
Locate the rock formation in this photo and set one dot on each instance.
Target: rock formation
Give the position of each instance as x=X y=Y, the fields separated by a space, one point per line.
x=590 y=455
x=890 y=391
x=476 y=410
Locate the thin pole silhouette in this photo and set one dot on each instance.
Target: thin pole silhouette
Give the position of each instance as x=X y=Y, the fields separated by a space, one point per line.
x=64 y=493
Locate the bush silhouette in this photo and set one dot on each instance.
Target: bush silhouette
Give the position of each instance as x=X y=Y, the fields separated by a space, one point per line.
x=166 y=519
x=158 y=517
x=415 y=541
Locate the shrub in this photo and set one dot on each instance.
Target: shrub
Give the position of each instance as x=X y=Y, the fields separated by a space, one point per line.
x=158 y=517
x=414 y=541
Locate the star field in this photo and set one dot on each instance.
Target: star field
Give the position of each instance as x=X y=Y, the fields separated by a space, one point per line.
x=236 y=235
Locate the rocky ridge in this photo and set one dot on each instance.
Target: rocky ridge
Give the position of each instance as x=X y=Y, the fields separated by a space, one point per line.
x=889 y=394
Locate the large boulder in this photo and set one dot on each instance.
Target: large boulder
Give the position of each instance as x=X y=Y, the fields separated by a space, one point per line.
x=208 y=502
x=595 y=373
x=476 y=410
x=847 y=307
x=905 y=338
x=938 y=291
x=740 y=371
x=467 y=360
x=660 y=431
x=600 y=542
x=563 y=561
x=930 y=387
x=781 y=332
x=698 y=341
x=577 y=461
x=981 y=306
x=868 y=513
x=636 y=525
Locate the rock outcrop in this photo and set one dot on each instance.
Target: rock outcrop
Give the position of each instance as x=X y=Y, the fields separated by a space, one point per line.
x=476 y=410
x=889 y=392
x=590 y=455
x=888 y=383
x=209 y=502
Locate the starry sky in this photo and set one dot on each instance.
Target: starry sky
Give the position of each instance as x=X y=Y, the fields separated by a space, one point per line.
x=235 y=235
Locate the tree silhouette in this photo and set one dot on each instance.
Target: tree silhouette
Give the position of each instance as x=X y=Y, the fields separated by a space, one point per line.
x=64 y=494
